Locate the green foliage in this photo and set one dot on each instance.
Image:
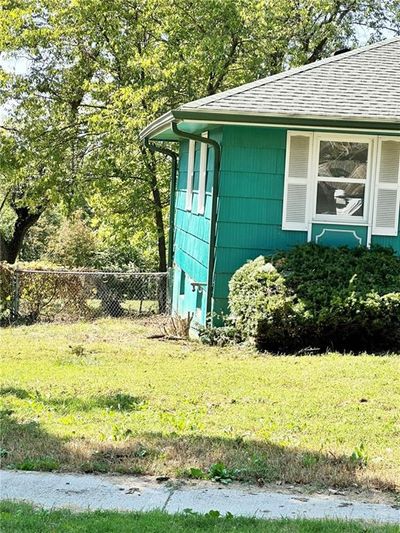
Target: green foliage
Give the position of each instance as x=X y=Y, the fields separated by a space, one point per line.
x=100 y=71
x=360 y=456
x=220 y=335
x=36 y=242
x=194 y=473
x=217 y=472
x=41 y=464
x=320 y=297
x=221 y=473
x=75 y=244
x=81 y=240
x=46 y=294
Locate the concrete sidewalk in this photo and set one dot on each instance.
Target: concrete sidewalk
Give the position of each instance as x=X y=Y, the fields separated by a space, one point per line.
x=125 y=493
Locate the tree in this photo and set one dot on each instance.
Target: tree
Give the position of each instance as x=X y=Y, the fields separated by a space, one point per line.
x=99 y=71
x=75 y=245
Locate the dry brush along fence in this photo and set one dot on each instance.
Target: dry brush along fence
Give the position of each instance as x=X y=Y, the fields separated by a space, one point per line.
x=28 y=296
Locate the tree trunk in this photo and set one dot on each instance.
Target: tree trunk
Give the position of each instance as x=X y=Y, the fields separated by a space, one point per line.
x=162 y=254
x=158 y=215
x=10 y=249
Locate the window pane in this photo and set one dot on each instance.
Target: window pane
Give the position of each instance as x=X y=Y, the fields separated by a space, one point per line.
x=343 y=199
x=343 y=159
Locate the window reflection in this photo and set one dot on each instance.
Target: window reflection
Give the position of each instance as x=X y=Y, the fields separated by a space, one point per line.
x=343 y=160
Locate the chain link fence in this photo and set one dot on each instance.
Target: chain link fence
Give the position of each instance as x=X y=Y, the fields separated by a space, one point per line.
x=60 y=295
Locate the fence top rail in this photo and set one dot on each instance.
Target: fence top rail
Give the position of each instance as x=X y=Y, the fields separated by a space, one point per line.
x=88 y=272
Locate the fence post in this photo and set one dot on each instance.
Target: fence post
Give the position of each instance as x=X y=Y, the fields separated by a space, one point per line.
x=15 y=295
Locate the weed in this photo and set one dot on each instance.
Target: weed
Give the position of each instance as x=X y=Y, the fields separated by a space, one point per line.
x=194 y=473
x=219 y=472
x=78 y=350
x=360 y=456
x=40 y=464
x=122 y=402
x=310 y=460
x=92 y=467
x=120 y=433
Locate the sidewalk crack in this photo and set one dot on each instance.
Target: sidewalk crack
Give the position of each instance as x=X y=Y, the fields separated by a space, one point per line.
x=167 y=500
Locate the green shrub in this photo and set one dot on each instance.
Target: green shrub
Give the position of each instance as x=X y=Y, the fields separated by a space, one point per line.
x=320 y=297
x=224 y=335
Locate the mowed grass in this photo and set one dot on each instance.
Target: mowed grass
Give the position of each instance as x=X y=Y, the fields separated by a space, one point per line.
x=21 y=517
x=103 y=397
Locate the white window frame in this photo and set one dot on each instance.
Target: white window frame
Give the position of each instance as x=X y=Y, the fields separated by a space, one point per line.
x=190 y=174
x=372 y=184
x=201 y=198
x=369 y=181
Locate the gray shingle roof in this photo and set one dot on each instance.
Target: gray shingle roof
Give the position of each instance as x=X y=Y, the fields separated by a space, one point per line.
x=363 y=84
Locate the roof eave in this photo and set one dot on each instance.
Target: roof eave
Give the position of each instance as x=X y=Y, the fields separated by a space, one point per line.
x=157 y=126
x=163 y=123
x=254 y=116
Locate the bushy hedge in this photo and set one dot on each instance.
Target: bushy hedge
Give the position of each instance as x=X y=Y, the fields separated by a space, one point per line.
x=320 y=297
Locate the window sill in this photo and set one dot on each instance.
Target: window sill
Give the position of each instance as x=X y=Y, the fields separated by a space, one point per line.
x=340 y=222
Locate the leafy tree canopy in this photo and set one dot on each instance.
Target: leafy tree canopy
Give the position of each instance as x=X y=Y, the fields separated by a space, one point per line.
x=99 y=71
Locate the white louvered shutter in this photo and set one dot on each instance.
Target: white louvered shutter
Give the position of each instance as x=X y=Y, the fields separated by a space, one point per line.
x=202 y=176
x=387 y=189
x=190 y=170
x=297 y=181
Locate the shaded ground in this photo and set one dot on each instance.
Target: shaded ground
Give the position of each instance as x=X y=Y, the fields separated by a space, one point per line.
x=102 y=397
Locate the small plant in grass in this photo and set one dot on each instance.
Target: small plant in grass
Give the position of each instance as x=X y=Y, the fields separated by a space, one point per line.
x=92 y=467
x=224 y=333
x=360 y=455
x=219 y=472
x=194 y=473
x=77 y=354
x=310 y=460
x=120 y=433
x=78 y=350
x=3 y=452
x=40 y=464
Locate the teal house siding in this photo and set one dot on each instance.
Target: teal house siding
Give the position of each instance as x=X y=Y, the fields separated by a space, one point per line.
x=389 y=242
x=249 y=220
x=339 y=235
x=192 y=237
x=250 y=202
x=191 y=240
x=249 y=217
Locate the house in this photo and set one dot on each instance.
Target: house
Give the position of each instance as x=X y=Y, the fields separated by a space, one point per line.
x=311 y=154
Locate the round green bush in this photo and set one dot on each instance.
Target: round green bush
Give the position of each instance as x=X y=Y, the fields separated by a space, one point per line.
x=320 y=297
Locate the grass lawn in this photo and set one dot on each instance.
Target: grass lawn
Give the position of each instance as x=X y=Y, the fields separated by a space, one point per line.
x=20 y=517
x=102 y=397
